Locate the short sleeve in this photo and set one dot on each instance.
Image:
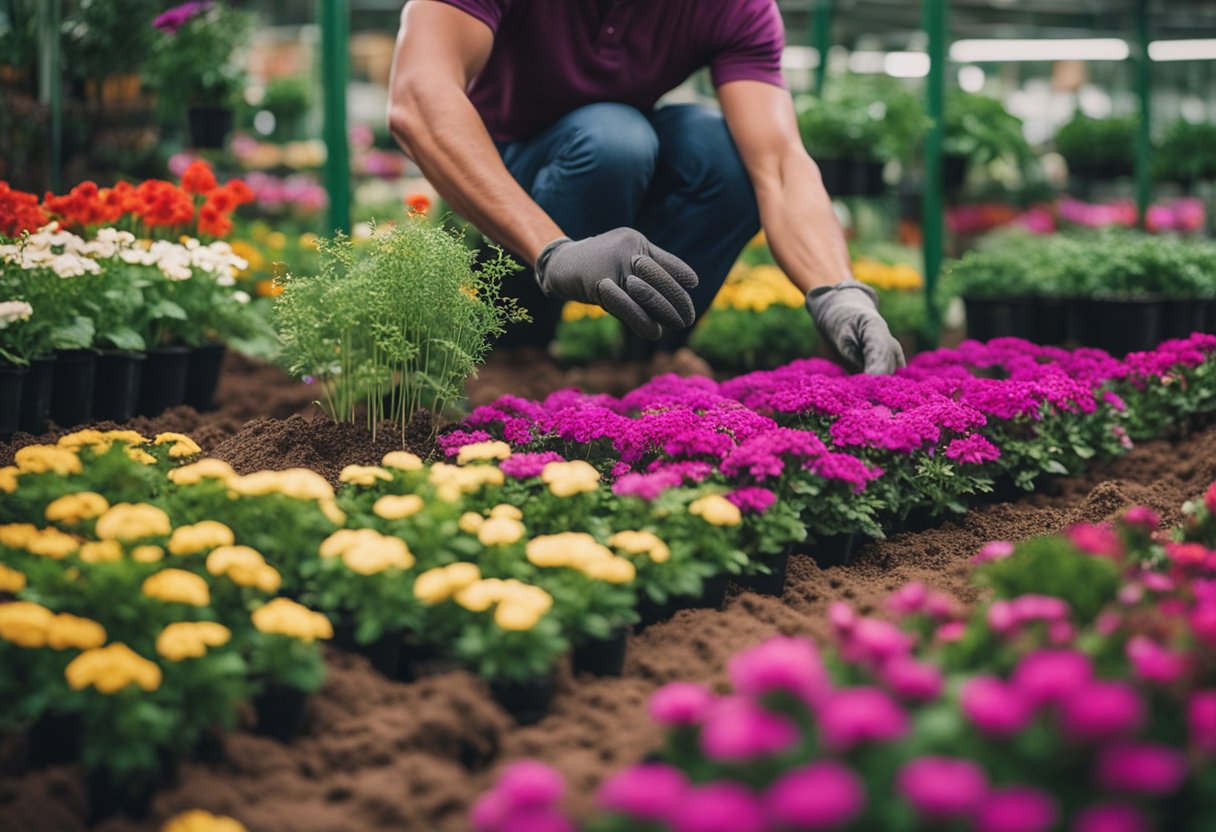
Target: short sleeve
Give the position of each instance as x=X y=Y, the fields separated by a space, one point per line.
x=489 y=12
x=750 y=43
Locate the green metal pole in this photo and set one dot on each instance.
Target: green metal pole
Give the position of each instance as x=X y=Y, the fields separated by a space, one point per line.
x=821 y=34
x=335 y=63
x=50 y=84
x=1144 y=91
x=933 y=200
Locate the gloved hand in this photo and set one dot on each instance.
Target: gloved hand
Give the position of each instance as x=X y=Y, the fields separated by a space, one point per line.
x=643 y=285
x=847 y=316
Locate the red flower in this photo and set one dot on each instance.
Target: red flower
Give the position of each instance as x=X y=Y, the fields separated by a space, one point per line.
x=220 y=200
x=213 y=222
x=164 y=204
x=418 y=203
x=198 y=178
x=238 y=192
x=19 y=212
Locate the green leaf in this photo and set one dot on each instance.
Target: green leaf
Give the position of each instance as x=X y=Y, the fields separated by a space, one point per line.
x=78 y=334
x=125 y=338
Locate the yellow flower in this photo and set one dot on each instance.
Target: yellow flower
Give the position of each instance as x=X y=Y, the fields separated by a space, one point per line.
x=441 y=583
x=500 y=531
x=610 y=570
x=204 y=535
x=147 y=553
x=370 y=556
x=564 y=549
x=451 y=481
x=508 y=511
x=515 y=616
x=196 y=820
x=52 y=543
x=100 y=551
x=177 y=586
x=11 y=580
x=344 y=539
x=126 y=437
x=190 y=639
x=567 y=478
x=112 y=668
x=285 y=617
x=42 y=459
x=297 y=483
x=329 y=507
x=716 y=510
x=517 y=593
x=182 y=445
x=402 y=461
x=575 y=311
x=17 y=535
x=364 y=475
x=244 y=566
x=73 y=508
x=397 y=507
x=480 y=595
x=141 y=456
x=641 y=543
x=204 y=469
x=71 y=632
x=88 y=437
x=483 y=452
x=25 y=623
x=471 y=522
x=8 y=478
x=133 y=521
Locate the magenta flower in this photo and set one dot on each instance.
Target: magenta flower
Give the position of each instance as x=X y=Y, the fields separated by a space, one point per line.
x=972 y=450
x=529 y=783
x=854 y=716
x=994 y=707
x=1141 y=768
x=823 y=795
x=1201 y=720
x=489 y=811
x=524 y=466
x=1017 y=809
x=950 y=632
x=1154 y=663
x=539 y=819
x=752 y=500
x=1209 y=498
x=941 y=788
x=1101 y=710
x=781 y=663
x=873 y=640
x=1142 y=518
x=737 y=729
x=1096 y=540
x=649 y=792
x=994 y=550
x=1111 y=817
x=680 y=703
x=911 y=680
x=1047 y=675
x=1203 y=623
x=720 y=807
x=178 y=16
x=910 y=599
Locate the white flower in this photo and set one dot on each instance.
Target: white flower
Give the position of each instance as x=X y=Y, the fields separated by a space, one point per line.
x=12 y=311
x=240 y=297
x=70 y=265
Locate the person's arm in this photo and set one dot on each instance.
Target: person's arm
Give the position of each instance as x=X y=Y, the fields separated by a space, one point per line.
x=801 y=226
x=440 y=49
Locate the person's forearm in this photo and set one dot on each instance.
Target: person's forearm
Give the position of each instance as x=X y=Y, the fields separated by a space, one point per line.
x=436 y=124
x=802 y=229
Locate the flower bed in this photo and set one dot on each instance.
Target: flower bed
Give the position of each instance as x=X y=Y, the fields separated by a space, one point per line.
x=1079 y=695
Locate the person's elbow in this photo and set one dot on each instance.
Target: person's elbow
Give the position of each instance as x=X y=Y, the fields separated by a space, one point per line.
x=405 y=111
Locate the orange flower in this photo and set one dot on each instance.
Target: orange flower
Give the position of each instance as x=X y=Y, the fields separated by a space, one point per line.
x=418 y=203
x=198 y=178
x=220 y=200
x=213 y=222
x=239 y=192
x=269 y=288
x=19 y=212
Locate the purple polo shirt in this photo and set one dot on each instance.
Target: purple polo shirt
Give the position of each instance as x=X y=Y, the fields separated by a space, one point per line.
x=551 y=57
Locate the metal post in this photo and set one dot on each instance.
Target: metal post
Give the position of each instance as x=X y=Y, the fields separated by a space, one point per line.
x=933 y=202
x=335 y=64
x=821 y=34
x=50 y=84
x=1144 y=91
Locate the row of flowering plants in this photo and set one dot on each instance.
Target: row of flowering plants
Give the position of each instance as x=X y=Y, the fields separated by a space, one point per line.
x=1081 y=695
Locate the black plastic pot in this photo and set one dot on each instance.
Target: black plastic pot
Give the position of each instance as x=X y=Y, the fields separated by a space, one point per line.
x=650 y=612
x=386 y=653
x=713 y=592
x=12 y=379
x=53 y=740
x=1118 y=326
x=280 y=712
x=1180 y=318
x=163 y=384
x=36 y=394
x=209 y=126
x=203 y=376
x=602 y=657
x=116 y=391
x=868 y=179
x=133 y=799
x=772 y=583
x=1048 y=321
x=72 y=388
x=954 y=172
x=989 y=318
x=834 y=550
x=527 y=702
x=1209 y=316
x=833 y=173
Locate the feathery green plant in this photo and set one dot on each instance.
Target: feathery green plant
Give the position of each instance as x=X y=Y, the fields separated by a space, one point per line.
x=393 y=324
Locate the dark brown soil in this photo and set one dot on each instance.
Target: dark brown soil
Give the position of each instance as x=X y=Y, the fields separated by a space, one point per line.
x=379 y=755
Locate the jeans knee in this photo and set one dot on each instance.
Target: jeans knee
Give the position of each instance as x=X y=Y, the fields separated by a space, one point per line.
x=696 y=141
x=613 y=139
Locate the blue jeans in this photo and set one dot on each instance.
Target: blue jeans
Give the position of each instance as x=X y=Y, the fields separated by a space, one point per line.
x=673 y=174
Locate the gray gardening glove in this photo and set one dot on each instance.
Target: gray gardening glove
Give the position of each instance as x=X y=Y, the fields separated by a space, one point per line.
x=644 y=286
x=847 y=316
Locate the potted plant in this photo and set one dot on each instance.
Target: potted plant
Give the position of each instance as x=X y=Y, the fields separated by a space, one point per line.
x=197 y=64
x=858 y=125
x=1187 y=154
x=979 y=131
x=14 y=350
x=1098 y=149
x=288 y=99
x=997 y=286
x=105 y=45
